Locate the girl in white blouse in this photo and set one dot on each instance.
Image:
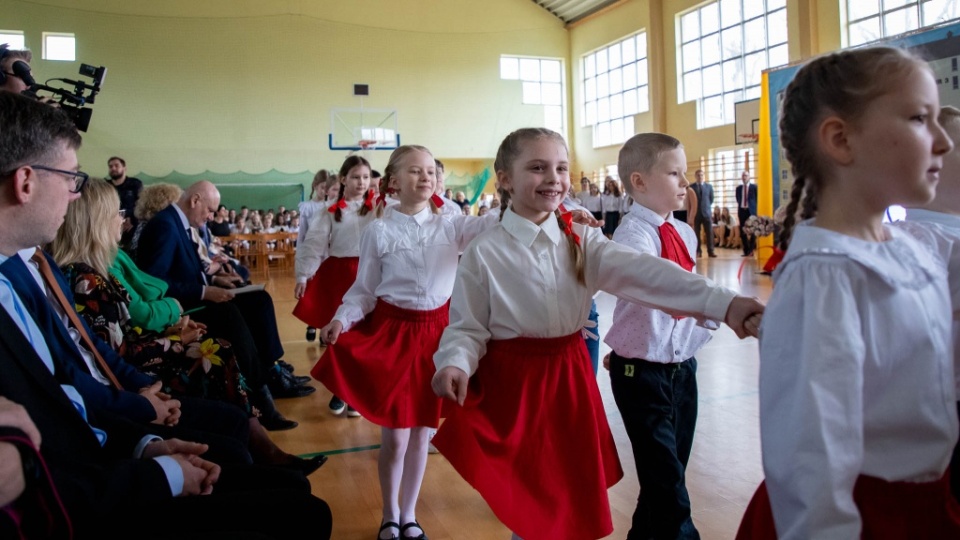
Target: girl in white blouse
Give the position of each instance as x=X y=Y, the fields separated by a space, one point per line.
x=395 y=312
x=857 y=401
x=531 y=434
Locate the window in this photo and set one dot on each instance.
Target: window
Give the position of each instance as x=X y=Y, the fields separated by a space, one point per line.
x=59 y=46
x=542 y=80
x=723 y=47
x=13 y=38
x=615 y=88
x=723 y=170
x=870 y=20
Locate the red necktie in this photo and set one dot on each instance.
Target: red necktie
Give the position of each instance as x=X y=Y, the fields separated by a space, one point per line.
x=436 y=200
x=340 y=204
x=673 y=248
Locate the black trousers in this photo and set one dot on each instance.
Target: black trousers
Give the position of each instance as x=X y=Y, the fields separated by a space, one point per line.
x=747 y=241
x=658 y=403
x=253 y=334
x=704 y=221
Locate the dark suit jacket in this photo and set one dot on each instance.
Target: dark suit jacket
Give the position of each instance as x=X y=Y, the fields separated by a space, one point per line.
x=751 y=197
x=166 y=251
x=704 y=198
x=91 y=479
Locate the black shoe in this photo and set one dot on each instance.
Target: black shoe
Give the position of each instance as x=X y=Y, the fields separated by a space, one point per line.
x=302 y=379
x=713 y=255
x=412 y=524
x=287 y=366
x=353 y=413
x=277 y=423
x=337 y=405
x=283 y=385
x=306 y=466
x=388 y=525
x=311 y=333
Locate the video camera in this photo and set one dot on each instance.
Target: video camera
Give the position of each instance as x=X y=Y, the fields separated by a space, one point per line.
x=71 y=100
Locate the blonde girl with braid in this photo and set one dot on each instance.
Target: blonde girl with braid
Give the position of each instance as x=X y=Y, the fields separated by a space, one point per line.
x=858 y=412
x=530 y=433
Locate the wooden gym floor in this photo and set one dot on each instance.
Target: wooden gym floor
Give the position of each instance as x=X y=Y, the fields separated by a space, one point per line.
x=724 y=470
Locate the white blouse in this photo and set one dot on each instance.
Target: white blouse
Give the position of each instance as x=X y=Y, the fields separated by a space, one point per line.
x=856 y=376
x=308 y=209
x=651 y=334
x=409 y=261
x=611 y=203
x=331 y=238
x=517 y=280
x=593 y=203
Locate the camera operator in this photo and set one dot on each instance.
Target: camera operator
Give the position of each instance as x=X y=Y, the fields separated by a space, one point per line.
x=11 y=77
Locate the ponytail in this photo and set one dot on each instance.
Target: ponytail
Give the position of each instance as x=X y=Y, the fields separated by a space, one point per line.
x=338 y=214
x=573 y=244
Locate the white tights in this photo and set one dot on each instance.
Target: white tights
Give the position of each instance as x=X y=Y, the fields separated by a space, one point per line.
x=402 y=462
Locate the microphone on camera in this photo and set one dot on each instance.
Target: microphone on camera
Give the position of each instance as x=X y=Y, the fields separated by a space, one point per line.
x=22 y=70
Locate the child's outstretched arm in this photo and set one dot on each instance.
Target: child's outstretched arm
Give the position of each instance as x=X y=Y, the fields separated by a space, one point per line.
x=743 y=316
x=361 y=297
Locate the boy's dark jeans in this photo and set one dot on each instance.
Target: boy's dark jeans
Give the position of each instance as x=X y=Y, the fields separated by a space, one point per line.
x=658 y=403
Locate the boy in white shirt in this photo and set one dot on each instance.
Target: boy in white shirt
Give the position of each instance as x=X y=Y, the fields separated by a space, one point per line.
x=652 y=364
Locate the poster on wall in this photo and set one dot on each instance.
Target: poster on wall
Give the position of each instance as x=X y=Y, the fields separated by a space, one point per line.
x=940 y=46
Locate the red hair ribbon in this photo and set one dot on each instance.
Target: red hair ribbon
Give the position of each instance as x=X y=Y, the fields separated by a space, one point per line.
x=340 y=204
x=368 y=200
x=436 y=200
x=382 y=198
x=567 y=218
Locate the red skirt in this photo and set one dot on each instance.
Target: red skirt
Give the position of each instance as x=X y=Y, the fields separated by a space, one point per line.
x=888 y=511
x=383 y=367
x=532 y=437
x=325 y=290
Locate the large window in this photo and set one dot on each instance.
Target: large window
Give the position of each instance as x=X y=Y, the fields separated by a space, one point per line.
x=723 y=171
x=13 y=38
x=59 y=46
x=723 y=48
x=870 y=20
x=542 y=80
x=615 y=88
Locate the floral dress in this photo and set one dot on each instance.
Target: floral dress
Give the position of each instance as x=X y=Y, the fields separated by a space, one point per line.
x=205 y=367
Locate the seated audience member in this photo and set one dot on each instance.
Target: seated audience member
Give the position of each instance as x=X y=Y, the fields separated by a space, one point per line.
x=220 y=224
x=168 y=252
x=182 y=355
x=153 y=199
x=114 y=477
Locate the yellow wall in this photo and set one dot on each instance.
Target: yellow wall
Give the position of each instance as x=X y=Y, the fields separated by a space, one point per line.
x=231 y=85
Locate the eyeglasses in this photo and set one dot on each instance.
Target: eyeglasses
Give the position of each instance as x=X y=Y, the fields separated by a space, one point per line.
x=123 y=213
x=79 y=178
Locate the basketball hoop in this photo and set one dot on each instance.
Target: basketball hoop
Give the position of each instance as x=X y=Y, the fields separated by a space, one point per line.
x=367 y=144
x=748 y=138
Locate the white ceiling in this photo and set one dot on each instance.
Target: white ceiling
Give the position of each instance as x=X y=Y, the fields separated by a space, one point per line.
x=570 y=11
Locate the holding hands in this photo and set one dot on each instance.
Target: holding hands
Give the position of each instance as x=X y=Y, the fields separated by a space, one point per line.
x=743 y=316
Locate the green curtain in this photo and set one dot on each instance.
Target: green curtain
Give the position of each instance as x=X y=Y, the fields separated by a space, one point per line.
x=257 y=191
x=470 y=184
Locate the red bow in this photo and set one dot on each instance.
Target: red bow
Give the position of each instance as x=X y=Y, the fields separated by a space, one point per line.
x=368 y=200
x=382 y=198
x=340 y=204
x=567 y=218
x=436 y=200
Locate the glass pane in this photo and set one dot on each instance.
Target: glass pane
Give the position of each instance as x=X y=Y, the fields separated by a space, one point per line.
x=59 y=48
x=590 y=113
x=603 y=134
x=775 y=4
x=616 y=81
x=628 y=50
x=550 y=71
x=728 y=106
x=936 y=11
x=628 y=131
x=863 y=32
x=642 y=72
x=553 y=118
x=616 y=131
x=642 y=45
x=732 y=42
x=509 y=68
x=858 y=9
x=14 y=40
x=691 y=86
x=691 y=55
x=733 y=75
x=630 y=76
x=530 y=69
x=602 y=61
x=616 y=106
x=712 y=111
x=893 y=4
x=603 y=85
x=552 y=94
x=777 y=27
x=614 y=56
x=752 y=8
x=712 y=80
x=752 y=93
x=643 y=99
x=630 y=102
x=531 y=93
x=754 y=66
x=900 y=21
x=711 y=49
x=689 y=26
x=589 y=65
x=729 y=12
x=778 y=56
x=755 y=36
x=710 y=18
x=590 y=89
x=603 y=109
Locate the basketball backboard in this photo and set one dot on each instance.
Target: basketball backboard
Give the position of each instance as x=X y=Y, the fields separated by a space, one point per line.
x=363 y=129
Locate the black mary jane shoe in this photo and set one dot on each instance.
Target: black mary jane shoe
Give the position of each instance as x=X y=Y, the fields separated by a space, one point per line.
x=306 y=466
x=388 y=525
x=412 y=524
